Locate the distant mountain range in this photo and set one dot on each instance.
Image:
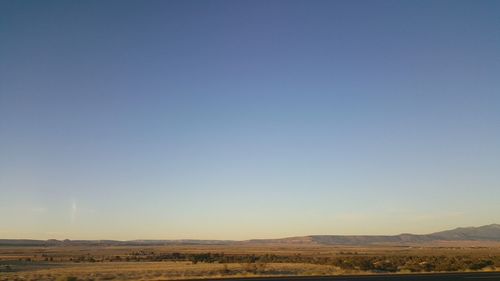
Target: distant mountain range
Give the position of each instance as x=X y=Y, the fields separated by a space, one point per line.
x=461 y=235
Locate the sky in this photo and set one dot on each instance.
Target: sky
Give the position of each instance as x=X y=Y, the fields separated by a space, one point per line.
x=247 y=119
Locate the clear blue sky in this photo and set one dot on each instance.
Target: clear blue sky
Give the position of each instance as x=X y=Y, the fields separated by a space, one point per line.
x=247 y=119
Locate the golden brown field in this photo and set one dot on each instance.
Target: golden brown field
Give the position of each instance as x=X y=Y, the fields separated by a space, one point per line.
x=217 y=261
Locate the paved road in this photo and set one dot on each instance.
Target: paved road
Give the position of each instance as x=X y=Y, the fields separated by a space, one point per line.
x=480 y=276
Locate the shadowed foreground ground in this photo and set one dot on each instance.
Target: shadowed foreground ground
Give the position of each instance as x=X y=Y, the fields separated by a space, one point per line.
x=469 y=276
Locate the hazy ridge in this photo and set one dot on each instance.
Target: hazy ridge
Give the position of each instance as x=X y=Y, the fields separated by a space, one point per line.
x=486 y=233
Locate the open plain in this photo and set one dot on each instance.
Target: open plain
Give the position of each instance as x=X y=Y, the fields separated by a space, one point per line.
x=169 y=262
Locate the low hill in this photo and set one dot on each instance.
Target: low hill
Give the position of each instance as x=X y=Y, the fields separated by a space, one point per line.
x=461 y=234
x=487 y=232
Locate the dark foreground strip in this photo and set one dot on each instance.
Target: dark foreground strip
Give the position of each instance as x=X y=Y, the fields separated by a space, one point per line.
x=466 y=276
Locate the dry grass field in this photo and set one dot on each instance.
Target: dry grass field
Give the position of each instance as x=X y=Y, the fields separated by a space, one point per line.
x=195 y=261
